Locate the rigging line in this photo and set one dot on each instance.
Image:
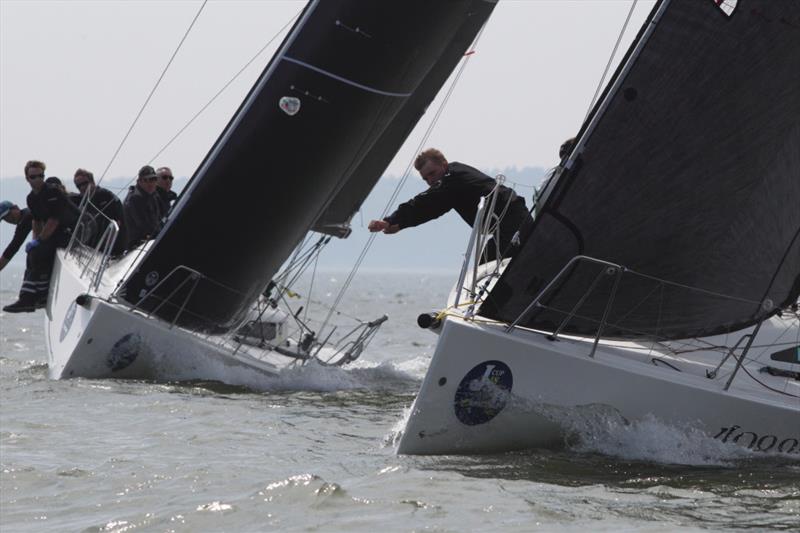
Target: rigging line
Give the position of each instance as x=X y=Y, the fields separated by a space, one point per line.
x=297 y=261
x=152 y=92
x=293 y=262
x=768 y=347
x=301 y=327
x=302 y=265
x=224 y=87
x=311 y=287
x=403 y=180
x=783 y=392
x=610 y=59
x=213 y=98
x=337 y=312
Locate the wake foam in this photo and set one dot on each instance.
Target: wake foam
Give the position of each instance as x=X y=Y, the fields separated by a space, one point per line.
x=316 y=377
x=392 y=438
x=360 y=375
x=415 y=367
x=602 y=429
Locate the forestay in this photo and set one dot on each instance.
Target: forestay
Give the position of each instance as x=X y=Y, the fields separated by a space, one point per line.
x=333 y=105
x=688 y=170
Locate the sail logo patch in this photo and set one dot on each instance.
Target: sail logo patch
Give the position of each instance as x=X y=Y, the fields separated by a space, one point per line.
x=483 y=393
x=124 y=352
x=289 y=105
x=726 y=6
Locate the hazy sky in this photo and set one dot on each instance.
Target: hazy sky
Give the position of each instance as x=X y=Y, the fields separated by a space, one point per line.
x=74 y=75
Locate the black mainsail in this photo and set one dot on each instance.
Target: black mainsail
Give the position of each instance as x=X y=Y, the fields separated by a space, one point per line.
x=688 y=170
x=333 y=105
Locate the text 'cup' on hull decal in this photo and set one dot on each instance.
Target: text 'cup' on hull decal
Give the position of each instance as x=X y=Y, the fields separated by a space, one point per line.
x=483 y=393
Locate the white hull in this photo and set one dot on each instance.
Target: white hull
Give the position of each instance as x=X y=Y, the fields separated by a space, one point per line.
x=104 y=338
x=553 y=384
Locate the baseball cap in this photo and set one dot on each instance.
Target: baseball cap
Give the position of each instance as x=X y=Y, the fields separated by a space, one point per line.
x=5 y=208
x=147 y=172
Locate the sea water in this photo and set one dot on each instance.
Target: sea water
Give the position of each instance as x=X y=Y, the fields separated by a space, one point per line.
x=314 y=449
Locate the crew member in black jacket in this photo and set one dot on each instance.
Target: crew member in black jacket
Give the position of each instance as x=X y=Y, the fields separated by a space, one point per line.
x=53 y=220
x=166 y=196
x=104 y=205
x=142 y=209
x=460 y=187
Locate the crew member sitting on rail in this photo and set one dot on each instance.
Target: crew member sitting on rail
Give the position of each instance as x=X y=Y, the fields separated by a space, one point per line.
x=104 y=205
x=53 y=218
x=142 y=209
x=166 y=196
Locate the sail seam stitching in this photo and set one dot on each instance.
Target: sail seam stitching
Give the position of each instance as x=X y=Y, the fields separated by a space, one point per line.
x=344 y=80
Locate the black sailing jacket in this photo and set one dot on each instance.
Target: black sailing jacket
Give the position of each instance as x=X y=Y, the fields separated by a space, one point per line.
x=461 y=189
x=142 y=216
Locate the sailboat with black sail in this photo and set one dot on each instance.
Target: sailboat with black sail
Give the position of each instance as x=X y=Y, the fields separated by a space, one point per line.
x=327 y=114
x=662 y=273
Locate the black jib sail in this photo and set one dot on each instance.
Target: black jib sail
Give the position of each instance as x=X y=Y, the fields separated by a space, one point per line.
x=688 y=174
x=323 y=110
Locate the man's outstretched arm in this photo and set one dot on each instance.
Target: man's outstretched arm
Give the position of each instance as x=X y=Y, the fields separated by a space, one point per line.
x=424 y=207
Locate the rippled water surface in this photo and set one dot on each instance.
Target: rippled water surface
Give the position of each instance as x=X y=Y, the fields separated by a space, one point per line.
x=314 y=450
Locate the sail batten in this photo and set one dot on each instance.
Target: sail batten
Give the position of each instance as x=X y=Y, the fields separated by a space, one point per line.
x=689 y=175
x=345 y=80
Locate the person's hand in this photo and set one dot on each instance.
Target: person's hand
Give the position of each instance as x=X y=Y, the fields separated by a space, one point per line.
x=33 y=243
x=377 y=225
x=384 y=226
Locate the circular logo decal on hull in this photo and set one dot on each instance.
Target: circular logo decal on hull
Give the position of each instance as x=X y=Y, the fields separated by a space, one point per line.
x=124 y=352
x=483 y=392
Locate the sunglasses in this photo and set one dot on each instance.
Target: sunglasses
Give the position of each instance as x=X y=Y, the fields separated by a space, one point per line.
x=149 y=180
x=36 y=176
x=82 y=184
x=170 y=178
